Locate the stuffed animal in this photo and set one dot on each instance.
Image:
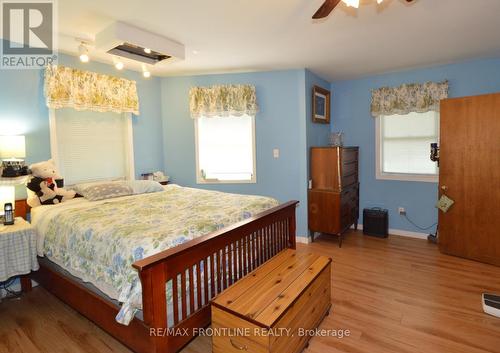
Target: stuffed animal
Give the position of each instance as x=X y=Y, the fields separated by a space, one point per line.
x=44 y=183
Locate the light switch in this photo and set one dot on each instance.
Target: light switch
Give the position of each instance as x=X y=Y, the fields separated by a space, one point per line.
x=276 y=153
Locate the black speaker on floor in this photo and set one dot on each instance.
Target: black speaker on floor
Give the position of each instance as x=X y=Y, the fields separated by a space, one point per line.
x=376 y=222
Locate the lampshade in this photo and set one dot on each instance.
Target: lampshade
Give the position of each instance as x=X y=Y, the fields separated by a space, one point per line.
x=12 y=147
x=7 y=195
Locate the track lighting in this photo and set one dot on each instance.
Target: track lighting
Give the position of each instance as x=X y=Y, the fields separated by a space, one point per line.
x=353 y=3
x=145 y=71
x=84 y=52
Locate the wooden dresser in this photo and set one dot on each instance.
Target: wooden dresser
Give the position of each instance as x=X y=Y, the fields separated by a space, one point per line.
x=333 y=199
x=274 y=308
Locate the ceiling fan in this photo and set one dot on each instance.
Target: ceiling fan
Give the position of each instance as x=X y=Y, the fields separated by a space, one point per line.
x=329 y=5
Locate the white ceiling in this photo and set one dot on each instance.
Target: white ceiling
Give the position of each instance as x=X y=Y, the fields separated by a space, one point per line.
x=247 y=35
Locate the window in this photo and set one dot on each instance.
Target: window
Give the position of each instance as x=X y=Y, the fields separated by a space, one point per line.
x=225 y=149
x=403 y=146
x=91 y=146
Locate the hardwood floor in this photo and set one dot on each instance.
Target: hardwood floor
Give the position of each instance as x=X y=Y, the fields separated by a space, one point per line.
x=397 y=295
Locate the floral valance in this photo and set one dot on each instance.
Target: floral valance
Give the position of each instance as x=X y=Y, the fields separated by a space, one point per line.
x=414 y=97
x=227 y=100
x=85 y=90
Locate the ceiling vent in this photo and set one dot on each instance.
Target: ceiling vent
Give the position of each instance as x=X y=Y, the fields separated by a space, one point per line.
x=123 y=40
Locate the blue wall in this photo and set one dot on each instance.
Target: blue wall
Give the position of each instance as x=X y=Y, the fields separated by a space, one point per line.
x=23 y=112
x=279 y=124
x=351 y=114
x=316 y=134
x=164 y=132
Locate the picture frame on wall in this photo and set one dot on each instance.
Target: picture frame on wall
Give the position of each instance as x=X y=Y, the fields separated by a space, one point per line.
x=321 y=105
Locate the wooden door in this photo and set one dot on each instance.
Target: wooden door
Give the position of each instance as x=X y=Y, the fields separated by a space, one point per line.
x=470 y=175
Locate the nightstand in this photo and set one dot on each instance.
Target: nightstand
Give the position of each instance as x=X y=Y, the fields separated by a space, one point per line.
x=18 y=252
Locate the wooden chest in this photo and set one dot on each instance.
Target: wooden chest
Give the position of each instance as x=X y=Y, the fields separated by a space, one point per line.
x=271 y=309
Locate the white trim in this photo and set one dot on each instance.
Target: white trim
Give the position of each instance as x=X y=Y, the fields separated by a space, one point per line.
x=303 y=240
x=379 y=175
x=201 y=180
x=129 y=149
x=54 y=153
x=401 y=232
x=425 y=178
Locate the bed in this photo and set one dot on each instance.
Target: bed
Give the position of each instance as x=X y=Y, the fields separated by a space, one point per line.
x=145 y=267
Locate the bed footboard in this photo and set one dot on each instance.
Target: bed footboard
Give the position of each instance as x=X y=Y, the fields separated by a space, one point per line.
x=194 y=272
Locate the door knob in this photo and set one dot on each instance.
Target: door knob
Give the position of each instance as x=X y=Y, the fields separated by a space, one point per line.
x=444 y=188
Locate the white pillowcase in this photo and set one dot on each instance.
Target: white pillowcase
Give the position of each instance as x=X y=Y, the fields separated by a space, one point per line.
x=145 y=186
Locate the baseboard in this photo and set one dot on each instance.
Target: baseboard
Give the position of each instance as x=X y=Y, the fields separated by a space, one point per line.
x=303 y=240
x=402 y=233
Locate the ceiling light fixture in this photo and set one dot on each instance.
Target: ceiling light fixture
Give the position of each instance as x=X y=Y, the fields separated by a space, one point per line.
x=147 y=50
x=84 y=52
x=352 y=3
x=355 y=3
x=145 y=71
x=119 y=65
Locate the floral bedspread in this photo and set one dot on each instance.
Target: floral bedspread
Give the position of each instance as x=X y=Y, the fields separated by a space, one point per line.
x=99 y=241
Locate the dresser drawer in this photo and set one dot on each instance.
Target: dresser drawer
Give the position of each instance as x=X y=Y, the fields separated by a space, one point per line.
x=349 y=168
x=350 y=195
x=350 y=179
x=349 y=155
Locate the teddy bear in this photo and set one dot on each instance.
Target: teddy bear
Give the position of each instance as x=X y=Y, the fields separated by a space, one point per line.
x=46 y=184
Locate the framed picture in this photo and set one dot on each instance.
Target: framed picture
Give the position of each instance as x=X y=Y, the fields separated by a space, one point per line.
x=321 y=105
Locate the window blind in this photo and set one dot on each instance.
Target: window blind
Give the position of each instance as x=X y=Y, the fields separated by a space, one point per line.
x=91 y=146
x=225 y=148
x=406 y=142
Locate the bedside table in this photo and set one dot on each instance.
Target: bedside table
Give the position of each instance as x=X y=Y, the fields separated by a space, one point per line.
x=18 y=252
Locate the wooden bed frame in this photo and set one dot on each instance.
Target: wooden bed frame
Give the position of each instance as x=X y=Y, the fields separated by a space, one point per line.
x=230 y=254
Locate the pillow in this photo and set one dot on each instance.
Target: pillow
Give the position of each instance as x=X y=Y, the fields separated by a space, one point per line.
x=78 y=188
x=103 y=191
x=145 y=186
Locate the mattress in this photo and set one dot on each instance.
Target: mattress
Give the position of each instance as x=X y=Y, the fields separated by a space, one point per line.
x=97 y=242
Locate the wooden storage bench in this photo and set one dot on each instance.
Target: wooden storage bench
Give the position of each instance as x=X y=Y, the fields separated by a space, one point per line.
x=272 y=307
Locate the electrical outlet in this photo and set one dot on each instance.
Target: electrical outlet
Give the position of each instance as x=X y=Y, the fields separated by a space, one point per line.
x=402 y=211
x=276 y=153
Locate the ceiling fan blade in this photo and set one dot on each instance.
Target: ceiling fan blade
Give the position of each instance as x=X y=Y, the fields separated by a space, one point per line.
x=325 y=9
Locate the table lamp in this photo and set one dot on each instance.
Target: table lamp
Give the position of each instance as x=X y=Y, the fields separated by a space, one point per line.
x=12 y=153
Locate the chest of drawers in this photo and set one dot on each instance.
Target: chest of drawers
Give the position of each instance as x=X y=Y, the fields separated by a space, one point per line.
x=333 y=200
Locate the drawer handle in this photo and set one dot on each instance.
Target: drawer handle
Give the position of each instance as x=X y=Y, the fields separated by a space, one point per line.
x=238 y=347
